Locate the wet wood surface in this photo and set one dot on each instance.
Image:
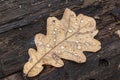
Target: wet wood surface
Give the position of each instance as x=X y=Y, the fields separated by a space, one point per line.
x=17 y=31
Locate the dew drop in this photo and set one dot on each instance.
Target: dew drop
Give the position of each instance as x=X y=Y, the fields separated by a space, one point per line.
x=75 y=54
x=77 y=41
x=54 y=32
x=75 y=23
x=70 y=31
x=62 y=47
x=48 y=45
x=55 y=29
x=79 y=47
x=54 y=40
x=81 y=21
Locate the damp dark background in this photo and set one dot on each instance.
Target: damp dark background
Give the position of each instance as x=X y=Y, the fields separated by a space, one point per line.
x=20 y=20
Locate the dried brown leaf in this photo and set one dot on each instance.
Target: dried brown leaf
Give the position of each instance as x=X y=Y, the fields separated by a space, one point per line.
x=66 y=39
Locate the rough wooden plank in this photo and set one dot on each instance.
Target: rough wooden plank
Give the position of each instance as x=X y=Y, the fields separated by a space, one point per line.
x=16 y=76
x=103 y=65
x=14 y=14
x=116 y=12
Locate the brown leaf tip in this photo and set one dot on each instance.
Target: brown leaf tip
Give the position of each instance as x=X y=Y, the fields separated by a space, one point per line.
x=118 y=32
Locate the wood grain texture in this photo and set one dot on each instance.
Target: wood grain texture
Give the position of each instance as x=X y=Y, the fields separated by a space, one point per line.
x=103 y=65
x=17 y=13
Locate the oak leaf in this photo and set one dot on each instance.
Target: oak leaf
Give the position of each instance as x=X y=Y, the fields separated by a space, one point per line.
x=65 y=39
